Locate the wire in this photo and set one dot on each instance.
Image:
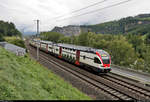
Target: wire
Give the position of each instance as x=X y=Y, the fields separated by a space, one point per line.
x=82 y=8
x=96 y=10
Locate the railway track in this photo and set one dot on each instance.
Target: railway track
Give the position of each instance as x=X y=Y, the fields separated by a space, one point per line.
x=117 y=88
x=145 y=92
x=94 y=83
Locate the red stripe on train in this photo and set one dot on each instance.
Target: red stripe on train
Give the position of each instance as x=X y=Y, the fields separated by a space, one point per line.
x=104 y=65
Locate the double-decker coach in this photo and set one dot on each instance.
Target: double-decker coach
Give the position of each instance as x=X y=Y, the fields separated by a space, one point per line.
x=95 y=59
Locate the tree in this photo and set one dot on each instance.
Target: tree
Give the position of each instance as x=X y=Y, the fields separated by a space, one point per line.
x=82 y=39
x=51 y=36
x=90 y=39
x=65 y=40
x=8 y=29
x=122 y=52
x=135 y=40
x=146 y=55
x=147 y=38
x=1 y=37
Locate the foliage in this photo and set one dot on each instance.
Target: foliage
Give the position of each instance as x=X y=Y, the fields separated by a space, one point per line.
x=16 y=41
x=1 y=37
x=139 y=25
x=135 y=40
x=8 y=29
x=83 y=39
x=21 y=78
x=126 y=50
x=65 y=40
x=147 y=39
x=51 y=36
x=122 y=52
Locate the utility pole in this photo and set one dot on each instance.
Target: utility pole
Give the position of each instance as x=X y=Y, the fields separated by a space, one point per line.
x=37 y=35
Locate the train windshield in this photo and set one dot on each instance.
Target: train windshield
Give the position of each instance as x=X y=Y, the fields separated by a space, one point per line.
x=96 y=60
x=106 y=61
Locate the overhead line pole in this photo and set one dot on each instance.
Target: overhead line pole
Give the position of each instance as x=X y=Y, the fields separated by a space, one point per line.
x=37 y=35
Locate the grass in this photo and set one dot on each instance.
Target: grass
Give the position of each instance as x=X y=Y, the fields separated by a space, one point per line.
x=22 y=78
x=15 y=40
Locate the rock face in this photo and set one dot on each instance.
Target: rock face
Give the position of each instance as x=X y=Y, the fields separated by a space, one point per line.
x=68 y=30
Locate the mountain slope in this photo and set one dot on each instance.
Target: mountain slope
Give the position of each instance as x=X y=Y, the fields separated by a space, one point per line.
x=136 y=25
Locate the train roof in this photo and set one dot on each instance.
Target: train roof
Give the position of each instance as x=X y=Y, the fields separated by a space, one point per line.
x=83 y=48
x=48 y=42
x=76 y=47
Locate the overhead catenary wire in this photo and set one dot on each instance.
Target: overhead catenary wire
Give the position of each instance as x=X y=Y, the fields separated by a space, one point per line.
x=82 y=8
x=95 y=10
x=113 y=5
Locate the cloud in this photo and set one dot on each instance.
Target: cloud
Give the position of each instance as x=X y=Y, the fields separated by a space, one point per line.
x=24 y=12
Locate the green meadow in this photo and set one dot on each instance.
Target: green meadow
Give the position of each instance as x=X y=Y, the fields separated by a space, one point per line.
x=22 y=78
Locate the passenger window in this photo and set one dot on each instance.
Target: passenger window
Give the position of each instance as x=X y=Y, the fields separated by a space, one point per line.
x=96 y=60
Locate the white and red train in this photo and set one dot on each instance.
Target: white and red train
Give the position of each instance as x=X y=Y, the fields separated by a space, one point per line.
x=96 y=59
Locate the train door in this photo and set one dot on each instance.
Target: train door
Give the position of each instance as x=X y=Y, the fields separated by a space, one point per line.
x=77 y=57
x=53 y=48
x=47 y=48
x=60 y=52
x=40 y=45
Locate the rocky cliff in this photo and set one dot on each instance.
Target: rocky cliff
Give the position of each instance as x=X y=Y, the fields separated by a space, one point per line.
x=68 y=30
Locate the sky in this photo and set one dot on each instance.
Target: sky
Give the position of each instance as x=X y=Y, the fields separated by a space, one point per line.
x=51 y=13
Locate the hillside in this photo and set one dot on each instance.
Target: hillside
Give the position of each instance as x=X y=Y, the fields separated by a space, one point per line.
x=8 y=29
x=24 y=79
x=136 y=25
x=139 y=24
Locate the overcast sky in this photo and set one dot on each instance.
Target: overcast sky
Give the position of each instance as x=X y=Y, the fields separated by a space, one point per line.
x=24 y=12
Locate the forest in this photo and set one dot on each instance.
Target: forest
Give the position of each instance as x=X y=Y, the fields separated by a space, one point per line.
x=128 y=50
x=8 y=29
x=10 y=34
x=139 y=25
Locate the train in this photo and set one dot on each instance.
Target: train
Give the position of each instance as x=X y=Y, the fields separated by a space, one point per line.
x=96 y=59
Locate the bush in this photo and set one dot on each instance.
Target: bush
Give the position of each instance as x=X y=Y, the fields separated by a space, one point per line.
x=1 y=37
x=16 y=41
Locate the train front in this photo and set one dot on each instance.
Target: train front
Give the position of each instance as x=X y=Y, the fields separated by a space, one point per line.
x=105 y=59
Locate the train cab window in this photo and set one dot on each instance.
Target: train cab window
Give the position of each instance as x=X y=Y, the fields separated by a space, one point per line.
x=106 y=61
x=96 y=60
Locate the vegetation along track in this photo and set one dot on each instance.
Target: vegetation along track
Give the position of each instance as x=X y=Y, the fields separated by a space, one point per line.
x=111 y=85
